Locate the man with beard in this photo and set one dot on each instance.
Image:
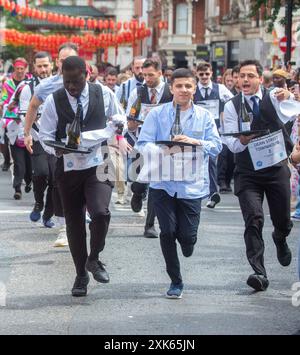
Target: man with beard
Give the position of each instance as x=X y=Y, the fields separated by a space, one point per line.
x=135 y=81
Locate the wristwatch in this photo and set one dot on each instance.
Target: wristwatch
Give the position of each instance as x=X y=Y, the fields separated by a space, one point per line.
x=291 y=161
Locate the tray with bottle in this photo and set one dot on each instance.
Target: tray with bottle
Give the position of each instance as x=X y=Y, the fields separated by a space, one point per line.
x=175 y=144
x=258 y=133
x=63 y=147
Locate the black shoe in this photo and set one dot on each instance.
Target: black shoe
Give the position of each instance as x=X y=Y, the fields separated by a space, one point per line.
x=5 y=166
x=228 y=188
x=80 y=286
x=17 y=195
x=214 y=200
x=284 y=254
x=98 y=271
x=136 y=203
x=187 y=249
x=258 y=282
x=150 y=232
x=28 y=188
x=223 y=188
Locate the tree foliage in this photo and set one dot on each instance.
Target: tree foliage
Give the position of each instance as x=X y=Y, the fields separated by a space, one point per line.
x=271 y=15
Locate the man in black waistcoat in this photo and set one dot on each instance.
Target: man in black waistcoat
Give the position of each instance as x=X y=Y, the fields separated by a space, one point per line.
x=251 y=182
x=77 y=175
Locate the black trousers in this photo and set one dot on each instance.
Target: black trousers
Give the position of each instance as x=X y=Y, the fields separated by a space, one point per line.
x=5 y=151
x=22 y=166
x=225 y=166
x=213 y=175
x=250 y=189
x=43 y=168
x=178 y=220
x=142 y=189
x=80 y=190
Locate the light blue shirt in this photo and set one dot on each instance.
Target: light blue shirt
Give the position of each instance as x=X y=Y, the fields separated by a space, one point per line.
x=48 y=86
x=199 y=125
x=130 y=85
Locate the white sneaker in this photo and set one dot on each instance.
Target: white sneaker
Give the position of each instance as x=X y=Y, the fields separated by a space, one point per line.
x=120 y=200
x=141 y=213
x=62 y=240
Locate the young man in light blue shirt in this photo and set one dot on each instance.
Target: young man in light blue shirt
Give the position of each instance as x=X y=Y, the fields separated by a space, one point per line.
x=177 y=202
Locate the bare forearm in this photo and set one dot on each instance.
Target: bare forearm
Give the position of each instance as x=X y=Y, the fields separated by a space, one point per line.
x=31 y=114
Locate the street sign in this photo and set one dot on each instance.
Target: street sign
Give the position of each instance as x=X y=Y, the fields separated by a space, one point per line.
x=283 y=44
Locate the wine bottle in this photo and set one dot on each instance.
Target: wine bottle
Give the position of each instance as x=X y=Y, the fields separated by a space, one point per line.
x=136 y=107
x=123 y=98
x=176 y=128
x=245 y=118
x=73 y=139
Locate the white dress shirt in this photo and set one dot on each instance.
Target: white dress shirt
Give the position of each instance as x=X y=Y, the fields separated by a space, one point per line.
x=133 y=96
x=231 y=119
x=225 y=94
x=49 y=118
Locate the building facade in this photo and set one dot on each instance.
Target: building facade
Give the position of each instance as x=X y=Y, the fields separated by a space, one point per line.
x=220 y=31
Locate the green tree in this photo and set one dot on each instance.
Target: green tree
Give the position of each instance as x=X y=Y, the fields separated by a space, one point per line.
x=271 y=15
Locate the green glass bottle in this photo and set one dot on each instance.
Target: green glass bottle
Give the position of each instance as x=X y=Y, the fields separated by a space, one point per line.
x=73 y=135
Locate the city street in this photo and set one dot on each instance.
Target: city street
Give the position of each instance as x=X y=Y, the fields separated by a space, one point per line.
x=37 y=279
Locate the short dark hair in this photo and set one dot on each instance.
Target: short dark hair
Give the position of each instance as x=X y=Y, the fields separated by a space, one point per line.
x=254 y=62
x=74 y=62
x=182 y=73
x=236 y=69
x=42 y=54
x=152 y=62
x=203 y=66
x=111 y=71
x=68 y=45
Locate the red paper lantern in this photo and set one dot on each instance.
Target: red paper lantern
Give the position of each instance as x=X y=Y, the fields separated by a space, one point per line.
x=119 y=26
x=112 y=24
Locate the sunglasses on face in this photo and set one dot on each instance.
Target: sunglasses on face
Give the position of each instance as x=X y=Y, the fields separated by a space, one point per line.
x=204 y=74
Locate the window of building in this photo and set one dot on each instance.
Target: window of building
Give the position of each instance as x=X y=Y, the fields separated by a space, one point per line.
x=181 y=19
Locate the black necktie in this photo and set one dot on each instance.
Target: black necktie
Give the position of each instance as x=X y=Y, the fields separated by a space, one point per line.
x=79 y=107
x=255 y=108
x=206 y=94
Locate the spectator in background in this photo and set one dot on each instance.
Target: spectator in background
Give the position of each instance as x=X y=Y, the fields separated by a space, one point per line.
x=111 y=78
x=227 y=79
x=267 y=79
x=280 y=77
x=167 y=74
x=235 y=77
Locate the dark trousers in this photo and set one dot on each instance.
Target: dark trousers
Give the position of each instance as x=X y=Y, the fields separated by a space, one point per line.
x=213 y=174
x=43 y=168
x=80 y=190
x=225 y=166
x=142 y=189
x=178 y=220
x=5 y=151
x=250 y=189
x=22 y=166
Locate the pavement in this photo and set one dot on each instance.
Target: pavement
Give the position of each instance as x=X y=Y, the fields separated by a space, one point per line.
x=36 y=279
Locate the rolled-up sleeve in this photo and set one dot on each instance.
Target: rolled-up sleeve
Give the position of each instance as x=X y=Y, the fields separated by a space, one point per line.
x=231 y=125
x=48 y=124
x=211 y=142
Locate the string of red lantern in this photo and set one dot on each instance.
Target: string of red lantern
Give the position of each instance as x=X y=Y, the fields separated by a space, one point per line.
x=87 y=42
x=71 y=21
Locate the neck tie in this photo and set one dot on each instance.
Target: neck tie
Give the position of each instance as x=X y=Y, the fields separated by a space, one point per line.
x=79 y=107
x=255 y=107
x=153 y=96
x=206 y=93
